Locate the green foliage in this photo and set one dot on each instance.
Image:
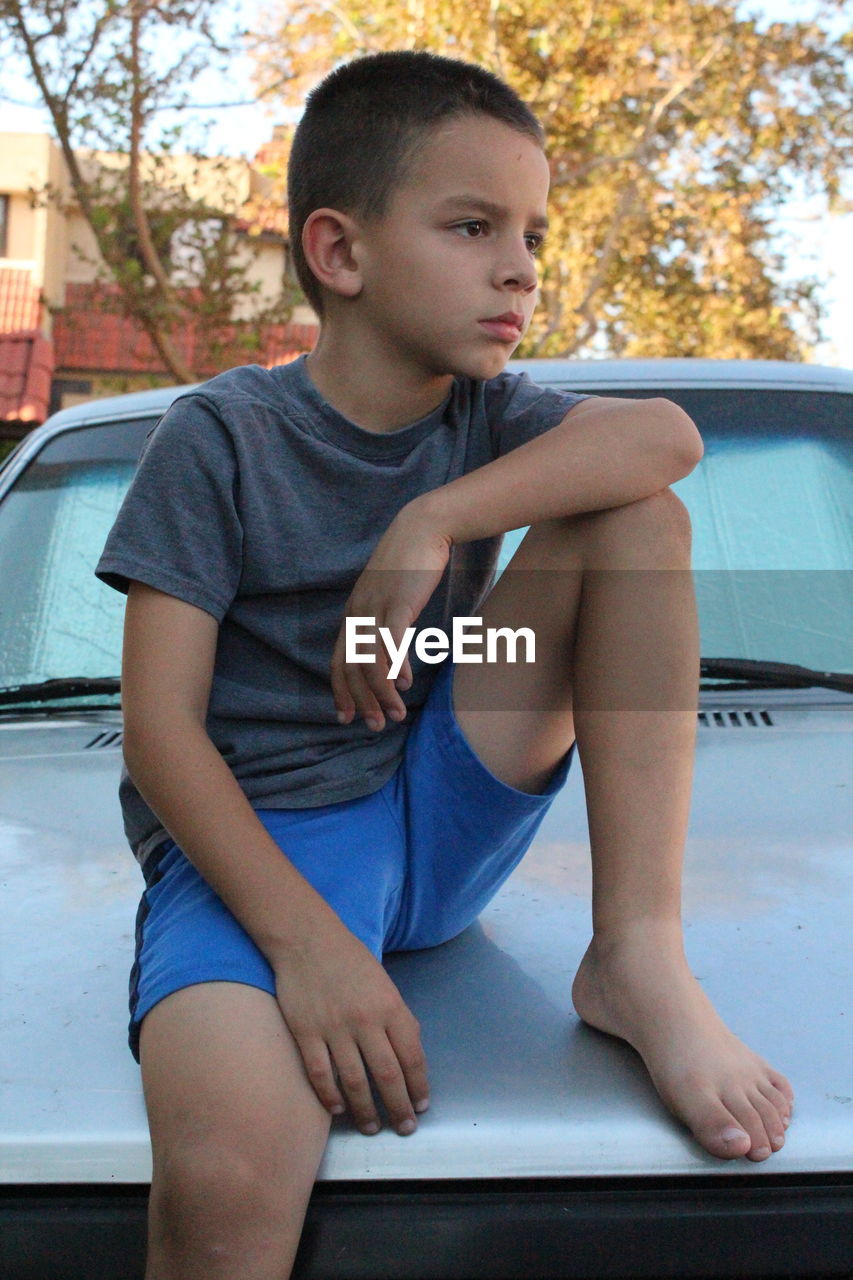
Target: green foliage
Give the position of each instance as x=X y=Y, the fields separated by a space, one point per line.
x=674 y=127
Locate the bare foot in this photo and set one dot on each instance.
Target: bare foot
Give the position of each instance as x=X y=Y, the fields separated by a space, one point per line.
x=642 y=990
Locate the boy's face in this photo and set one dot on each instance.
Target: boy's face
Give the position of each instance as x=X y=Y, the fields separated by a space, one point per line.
x=456 y=249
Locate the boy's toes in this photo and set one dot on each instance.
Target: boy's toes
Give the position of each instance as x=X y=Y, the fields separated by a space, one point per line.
x=773 y=1136
x=744 y=1125
x=720 y=1133
x=779 y=1082
x=779 y=1101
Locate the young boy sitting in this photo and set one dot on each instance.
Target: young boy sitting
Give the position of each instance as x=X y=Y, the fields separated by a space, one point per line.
x=297 y=813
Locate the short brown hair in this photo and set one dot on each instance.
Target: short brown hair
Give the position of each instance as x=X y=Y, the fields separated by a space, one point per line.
x=363 y=126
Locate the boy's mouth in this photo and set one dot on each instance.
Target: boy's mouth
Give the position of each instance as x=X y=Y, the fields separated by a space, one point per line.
x=507 y=327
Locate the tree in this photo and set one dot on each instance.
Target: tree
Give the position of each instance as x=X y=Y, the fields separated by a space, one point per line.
x=163 y=216
x=675 y=128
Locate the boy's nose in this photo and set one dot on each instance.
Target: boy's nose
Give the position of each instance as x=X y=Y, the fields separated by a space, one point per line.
x=520 y=282
x=520 y=275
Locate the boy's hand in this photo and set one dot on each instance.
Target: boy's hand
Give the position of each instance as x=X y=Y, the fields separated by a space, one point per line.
x=394 y=586
x=348 y=1019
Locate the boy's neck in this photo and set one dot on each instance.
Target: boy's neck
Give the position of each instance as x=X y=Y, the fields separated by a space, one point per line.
x=367 y=389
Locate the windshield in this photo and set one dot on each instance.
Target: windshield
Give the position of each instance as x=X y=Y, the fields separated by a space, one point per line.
x=770 y=505
x=56 y=618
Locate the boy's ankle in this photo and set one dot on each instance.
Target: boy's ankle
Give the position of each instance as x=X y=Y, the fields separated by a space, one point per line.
x=663 y=934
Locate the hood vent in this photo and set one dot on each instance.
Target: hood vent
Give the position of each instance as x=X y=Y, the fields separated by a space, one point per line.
x=729 y=719
x=106 y=739
x=713 y=719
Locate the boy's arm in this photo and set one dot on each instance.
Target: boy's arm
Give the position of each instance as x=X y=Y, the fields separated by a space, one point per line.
x=606 y=452
x=338 y=1001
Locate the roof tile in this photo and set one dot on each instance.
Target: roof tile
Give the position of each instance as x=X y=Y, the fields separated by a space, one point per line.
x=91 y=334
x=26 y=368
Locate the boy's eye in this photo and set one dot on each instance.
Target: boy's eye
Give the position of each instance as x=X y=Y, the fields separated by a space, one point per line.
x=534 y=241
x=471 y=222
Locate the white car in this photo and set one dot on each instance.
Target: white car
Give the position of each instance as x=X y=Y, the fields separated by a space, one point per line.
x=546 y=1152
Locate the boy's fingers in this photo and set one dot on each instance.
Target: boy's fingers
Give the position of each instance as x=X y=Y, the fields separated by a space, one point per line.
x=372 y=691
x=405 y=678
x=405 y=1038
x=349 y=688
x=344 y=705
x=353 y=1081
x=376 y=675
x=398 y=622
x=318 y=1067
x=388 y=1076
x=366 y=704
x=366 y=688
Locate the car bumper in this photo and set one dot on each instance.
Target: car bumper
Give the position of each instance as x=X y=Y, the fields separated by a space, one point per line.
x=542 y=1229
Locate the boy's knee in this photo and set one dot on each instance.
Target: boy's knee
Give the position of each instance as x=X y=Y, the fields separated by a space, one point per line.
x=662 y=511
x=668 y=502
x=210 y=1199
x=654 y=532
x=666 y=513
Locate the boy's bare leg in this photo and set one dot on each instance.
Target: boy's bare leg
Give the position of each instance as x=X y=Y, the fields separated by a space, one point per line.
x=617 y=664
x=237 y=1134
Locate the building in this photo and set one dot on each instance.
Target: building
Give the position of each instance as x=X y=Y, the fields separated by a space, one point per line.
x=63 y=336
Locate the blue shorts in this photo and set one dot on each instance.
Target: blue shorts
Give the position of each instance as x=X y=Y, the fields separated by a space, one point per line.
x=409 y=866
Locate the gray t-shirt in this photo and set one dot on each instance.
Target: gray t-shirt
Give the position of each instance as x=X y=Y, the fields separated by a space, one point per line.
x=260 y=503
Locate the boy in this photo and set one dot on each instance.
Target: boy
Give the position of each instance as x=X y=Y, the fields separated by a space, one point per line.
x=296 y=814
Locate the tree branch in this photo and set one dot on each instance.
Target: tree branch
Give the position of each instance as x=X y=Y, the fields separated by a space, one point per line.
x=149 y=254
x=59 y=114
x=77 y=71
x=628 y=202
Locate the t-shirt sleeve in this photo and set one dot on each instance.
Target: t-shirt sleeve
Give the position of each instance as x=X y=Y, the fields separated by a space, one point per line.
x=518 y=409
x=179 y=528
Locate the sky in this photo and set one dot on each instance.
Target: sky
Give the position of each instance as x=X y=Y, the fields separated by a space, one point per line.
x=815 y=242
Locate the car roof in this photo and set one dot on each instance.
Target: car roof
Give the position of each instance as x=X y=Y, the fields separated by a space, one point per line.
x=681 y=371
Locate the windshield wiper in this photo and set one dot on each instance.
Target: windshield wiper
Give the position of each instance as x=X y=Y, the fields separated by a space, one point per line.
x=64 y=687
x=760 y=674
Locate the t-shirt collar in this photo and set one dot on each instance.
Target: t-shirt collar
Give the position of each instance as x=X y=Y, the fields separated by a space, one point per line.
x=341 y=431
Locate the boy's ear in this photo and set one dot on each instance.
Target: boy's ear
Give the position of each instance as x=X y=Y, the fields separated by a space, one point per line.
x=327 y=240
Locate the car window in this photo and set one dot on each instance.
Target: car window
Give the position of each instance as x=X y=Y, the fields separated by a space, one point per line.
x=770 y=506
x=56 y=618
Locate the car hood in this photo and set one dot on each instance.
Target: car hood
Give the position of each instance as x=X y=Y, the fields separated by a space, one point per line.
x=520 y=1087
